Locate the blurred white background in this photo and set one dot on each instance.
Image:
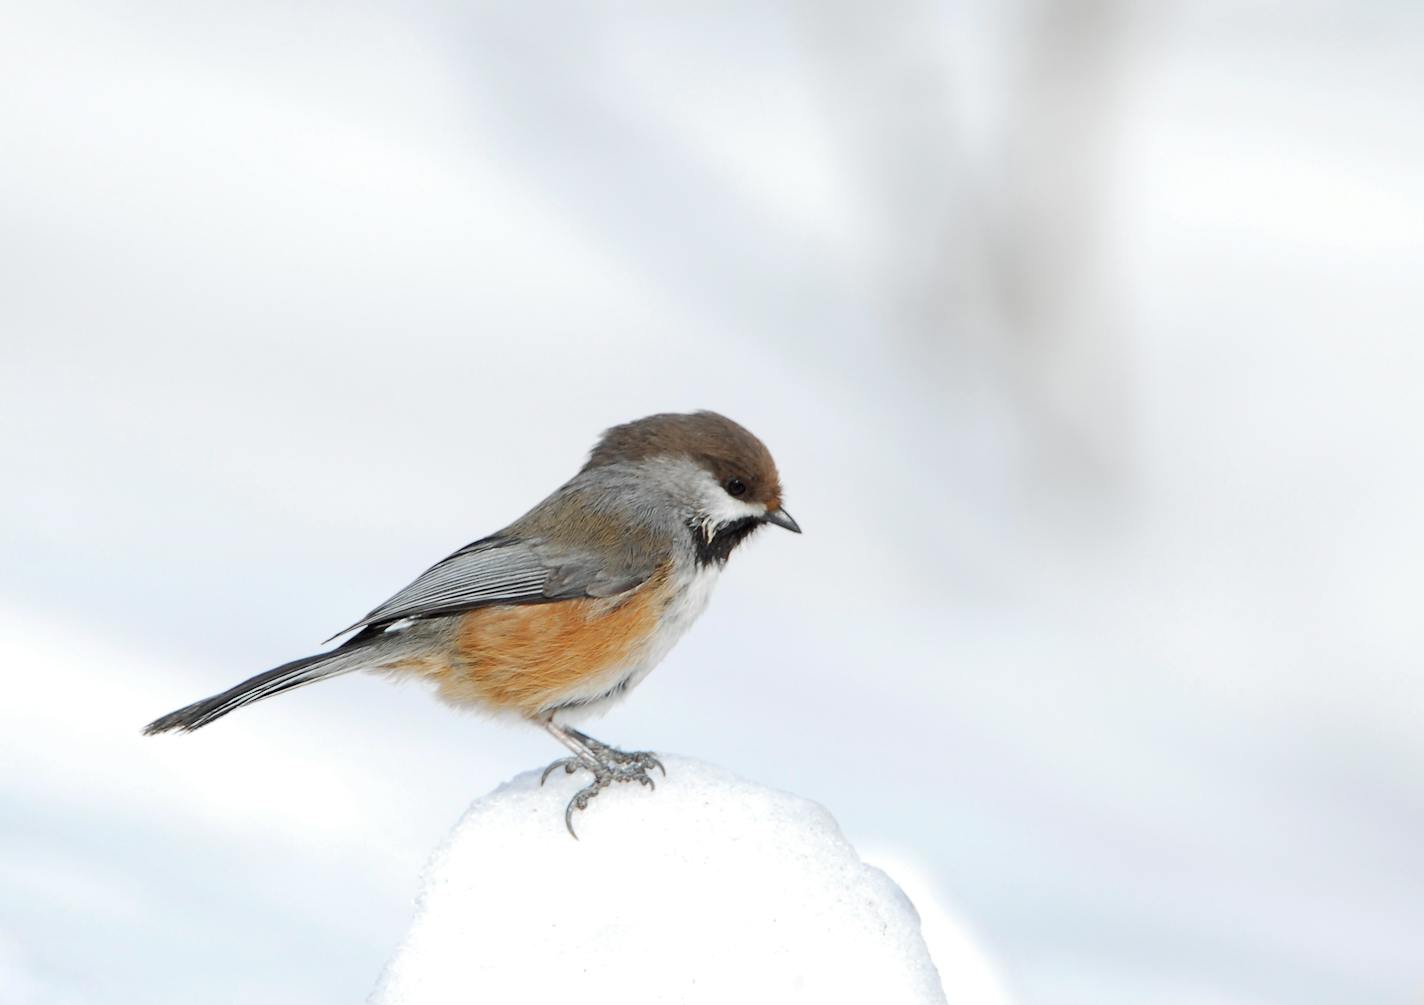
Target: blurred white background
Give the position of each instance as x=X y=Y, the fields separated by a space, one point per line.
x=1086 y=335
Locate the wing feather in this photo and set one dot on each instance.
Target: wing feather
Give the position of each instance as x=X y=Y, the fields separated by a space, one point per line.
x=503 y=570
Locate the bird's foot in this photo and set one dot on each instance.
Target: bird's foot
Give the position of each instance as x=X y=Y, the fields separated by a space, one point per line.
x=639 y=760
x=607 y=765
x=635 y=760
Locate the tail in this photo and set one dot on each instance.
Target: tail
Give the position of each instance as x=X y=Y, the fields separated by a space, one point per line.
x=353 y=655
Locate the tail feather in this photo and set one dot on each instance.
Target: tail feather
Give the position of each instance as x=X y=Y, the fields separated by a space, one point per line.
x=298 y=673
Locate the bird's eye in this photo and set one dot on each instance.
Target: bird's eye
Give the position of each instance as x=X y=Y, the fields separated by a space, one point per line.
x=736 y=487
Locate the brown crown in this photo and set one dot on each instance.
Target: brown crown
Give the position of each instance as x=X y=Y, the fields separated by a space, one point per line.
x=714 y=441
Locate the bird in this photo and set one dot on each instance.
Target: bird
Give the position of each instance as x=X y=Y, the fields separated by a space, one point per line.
x=563 y=612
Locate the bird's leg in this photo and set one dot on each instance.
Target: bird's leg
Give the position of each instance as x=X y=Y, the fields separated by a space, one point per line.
x=584 y=756
x=606 y=764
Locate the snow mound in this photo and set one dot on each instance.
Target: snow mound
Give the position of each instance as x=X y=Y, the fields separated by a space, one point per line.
x=710 y=889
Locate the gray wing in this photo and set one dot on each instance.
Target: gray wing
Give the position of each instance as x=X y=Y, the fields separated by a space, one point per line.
x=506 y=570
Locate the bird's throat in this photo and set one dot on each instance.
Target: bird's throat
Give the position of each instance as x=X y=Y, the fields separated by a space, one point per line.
x=715 y=548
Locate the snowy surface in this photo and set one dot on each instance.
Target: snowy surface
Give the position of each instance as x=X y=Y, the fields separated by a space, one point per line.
x=711 y=889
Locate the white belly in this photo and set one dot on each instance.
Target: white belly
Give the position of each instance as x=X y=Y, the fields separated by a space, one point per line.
x=689 y=595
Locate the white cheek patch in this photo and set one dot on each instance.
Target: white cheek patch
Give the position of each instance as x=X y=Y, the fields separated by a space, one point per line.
x=708 y=504
x=719 y=508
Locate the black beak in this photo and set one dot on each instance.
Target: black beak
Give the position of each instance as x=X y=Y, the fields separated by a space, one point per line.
x=782 y=519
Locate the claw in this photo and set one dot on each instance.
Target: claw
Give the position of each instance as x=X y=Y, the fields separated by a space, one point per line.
x=580 y=801
x=569 y=764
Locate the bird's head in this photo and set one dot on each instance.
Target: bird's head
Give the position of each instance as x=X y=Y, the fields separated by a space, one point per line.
x=720 y=476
